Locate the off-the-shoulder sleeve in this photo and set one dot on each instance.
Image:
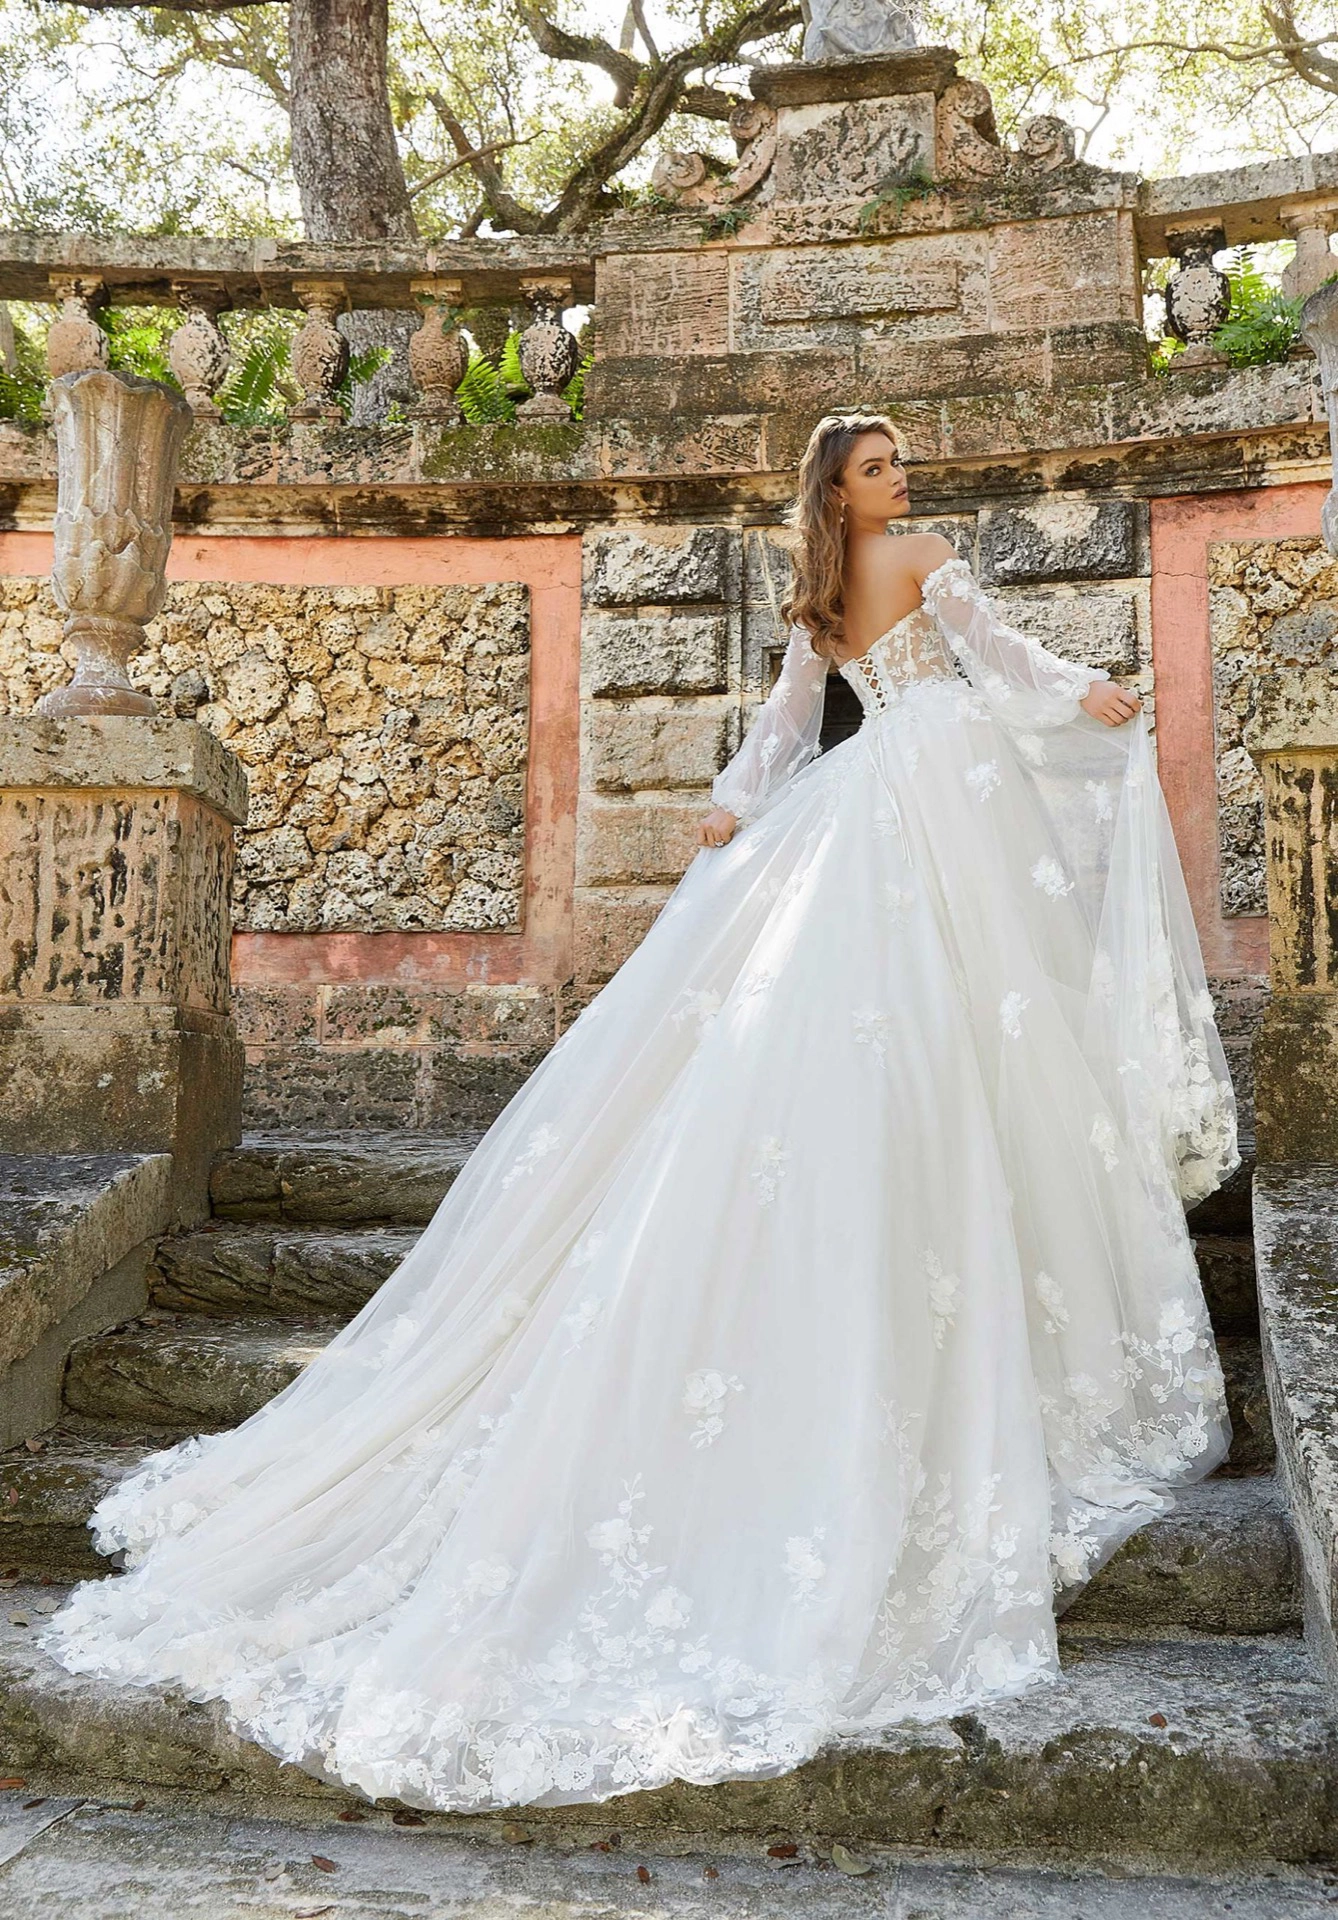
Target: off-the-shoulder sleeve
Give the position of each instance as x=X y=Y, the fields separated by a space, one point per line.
x=1024 y=682
x=784 y=736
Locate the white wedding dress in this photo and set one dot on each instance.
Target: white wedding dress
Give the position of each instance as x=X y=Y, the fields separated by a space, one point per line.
x=820 y=1309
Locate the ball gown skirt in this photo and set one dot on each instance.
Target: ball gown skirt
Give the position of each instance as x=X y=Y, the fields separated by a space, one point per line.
x=818 y=1316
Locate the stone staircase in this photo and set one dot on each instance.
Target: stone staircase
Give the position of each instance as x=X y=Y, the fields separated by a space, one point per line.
x=1191 y=1725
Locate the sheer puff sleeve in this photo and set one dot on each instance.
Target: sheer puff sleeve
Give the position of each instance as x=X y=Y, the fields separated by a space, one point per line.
x=1024 y=683
x=783 y=737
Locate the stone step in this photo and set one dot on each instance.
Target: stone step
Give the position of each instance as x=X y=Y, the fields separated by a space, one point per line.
x=1226 y=1269
x=338 y=1179
x=168 y=1856
x=1221 y=1562
x=1188 y=1749
x=191 y=1372
x=251 y=1268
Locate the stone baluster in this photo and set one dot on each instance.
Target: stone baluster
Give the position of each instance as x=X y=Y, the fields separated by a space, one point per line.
x=117 y=442
x=438 y=352
x=549 y=355
x=320 y=351
x=76 y=343
x=1319 y=330
x=1293 y=737
x=199 y=355
x=1313 y=263
x=1198 y=294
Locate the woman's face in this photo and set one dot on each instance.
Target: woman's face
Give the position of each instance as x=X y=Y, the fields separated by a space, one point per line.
x=873 y=481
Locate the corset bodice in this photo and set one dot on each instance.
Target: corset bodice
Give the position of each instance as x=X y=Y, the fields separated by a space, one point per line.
x=911 y=650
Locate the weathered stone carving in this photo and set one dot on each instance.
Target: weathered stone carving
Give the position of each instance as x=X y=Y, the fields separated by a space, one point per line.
x=1319 y=330
x=117 y=443
x=1198 y=294
x=320 y=351
x=76 y=343
x=968 y=143
x=438 y=352
x=854 y=29
x=692 y=180
x=199 y=355
x=1047 y=142
x=549 y=355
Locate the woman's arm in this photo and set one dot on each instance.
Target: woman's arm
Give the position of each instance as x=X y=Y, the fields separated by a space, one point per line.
x=782 y=739
x=1028 y=683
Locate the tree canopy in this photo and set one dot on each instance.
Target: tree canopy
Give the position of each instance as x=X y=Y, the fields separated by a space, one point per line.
x=530 y=115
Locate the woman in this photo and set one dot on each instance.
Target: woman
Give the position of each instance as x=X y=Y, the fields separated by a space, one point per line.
x=820 y=1309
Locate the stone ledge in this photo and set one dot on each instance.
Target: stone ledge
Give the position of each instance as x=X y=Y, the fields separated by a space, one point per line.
x=125 y=752
x=1296 y=1251
x=65 y=1219
x=877 y=76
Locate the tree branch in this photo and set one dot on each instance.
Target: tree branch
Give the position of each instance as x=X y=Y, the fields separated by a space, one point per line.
x=591 y=49
x=501 y=203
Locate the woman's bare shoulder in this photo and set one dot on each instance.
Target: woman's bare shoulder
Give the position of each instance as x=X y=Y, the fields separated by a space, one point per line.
x=916 y=554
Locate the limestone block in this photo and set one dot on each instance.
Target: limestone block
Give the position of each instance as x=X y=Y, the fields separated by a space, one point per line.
x=672 y=304
x=627 y=747
x=918 y=287
x=1093 y=629
x=630 y=843
x=610 y=924
x=655 y=566
x=1063 y=273
x=1058 y=538
x=654 y=653
x=845 y=149
x=95 y=1078
x=65 y=1220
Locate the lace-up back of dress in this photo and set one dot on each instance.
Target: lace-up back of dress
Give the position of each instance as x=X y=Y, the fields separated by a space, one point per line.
x=911 y=650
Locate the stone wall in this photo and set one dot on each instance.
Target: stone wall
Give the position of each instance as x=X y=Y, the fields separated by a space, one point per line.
x=1273 y=604
x=681 y=639
x=383 y=731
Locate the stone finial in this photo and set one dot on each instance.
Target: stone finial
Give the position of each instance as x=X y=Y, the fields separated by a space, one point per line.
x=117 y=442
x=1319 y=330
x=320 y=351
x=1313 y=263
x=76 y=343
x=199 y=355
x=854 y=29
x=1198 y=294
x=549 y=355
x=438 y=352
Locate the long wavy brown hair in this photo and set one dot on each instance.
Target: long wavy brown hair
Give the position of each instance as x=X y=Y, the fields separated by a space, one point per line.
x=819 y=555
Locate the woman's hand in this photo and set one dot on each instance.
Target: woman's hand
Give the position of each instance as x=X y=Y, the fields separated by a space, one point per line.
x=717 y=828
x=1111 y=704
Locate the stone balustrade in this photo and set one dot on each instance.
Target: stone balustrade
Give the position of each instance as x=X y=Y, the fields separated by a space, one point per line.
x=203 y=279
x=1189 y=220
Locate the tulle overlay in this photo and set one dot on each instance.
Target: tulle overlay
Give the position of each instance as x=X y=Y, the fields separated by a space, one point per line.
x=819 y=1311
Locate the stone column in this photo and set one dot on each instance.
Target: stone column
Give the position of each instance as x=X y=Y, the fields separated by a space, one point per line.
x=1319 y=330
x=1293 y=737
x=115 y=877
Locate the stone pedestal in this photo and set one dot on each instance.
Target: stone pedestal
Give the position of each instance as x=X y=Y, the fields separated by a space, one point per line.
x=115 y=878
x=1293 y=737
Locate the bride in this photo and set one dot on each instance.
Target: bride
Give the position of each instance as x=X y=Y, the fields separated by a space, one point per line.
x=818 y=1317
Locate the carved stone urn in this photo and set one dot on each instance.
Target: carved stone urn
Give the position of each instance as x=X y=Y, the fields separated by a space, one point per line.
x=117 y=442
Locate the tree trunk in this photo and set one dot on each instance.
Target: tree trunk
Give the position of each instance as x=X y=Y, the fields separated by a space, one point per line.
x=345 y=160
x=346 y=163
